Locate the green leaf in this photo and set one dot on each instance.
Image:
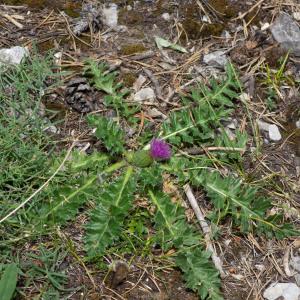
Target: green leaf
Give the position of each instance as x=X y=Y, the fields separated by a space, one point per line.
x=173 y=231
x=104 y=80
x=170 y=223
x=9 y=281
x=106 y=219
x=204 y=110
x=243 y=203
x=100 y=77
x=162 y=43
x=109 y=132
x=199 y=273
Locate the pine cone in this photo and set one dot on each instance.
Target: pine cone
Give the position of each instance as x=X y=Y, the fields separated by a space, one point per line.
x=79 y=95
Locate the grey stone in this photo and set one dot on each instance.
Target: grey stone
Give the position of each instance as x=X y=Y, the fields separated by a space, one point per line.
x=296 y=15
x=13 y=56
x=289 y=291
x=295 y=263
x=144 y=94
x=263 y=125
x=274 y=133
x=286 y=31
x=216 y=59
x=166 y=16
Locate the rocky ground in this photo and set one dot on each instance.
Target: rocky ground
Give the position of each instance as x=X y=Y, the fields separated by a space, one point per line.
x=160 y=49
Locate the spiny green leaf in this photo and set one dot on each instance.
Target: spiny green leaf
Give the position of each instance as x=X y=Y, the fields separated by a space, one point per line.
x=248 y=210
x=68 y=195
x=199 y=273
x=206 y=107
x=100 y=77
x=174 y=231
x=105 y=225
x=150 y=177
x=171 y=225
x=109 y=132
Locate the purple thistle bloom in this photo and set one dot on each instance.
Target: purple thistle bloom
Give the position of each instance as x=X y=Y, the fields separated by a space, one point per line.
x=160 y=150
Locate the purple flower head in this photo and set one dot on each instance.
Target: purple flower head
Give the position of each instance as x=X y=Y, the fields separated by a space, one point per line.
x=160 y=150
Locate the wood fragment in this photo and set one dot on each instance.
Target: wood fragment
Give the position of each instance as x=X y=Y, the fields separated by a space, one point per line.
x=249 y=10
x=142 y=56
x=205 y=228
x=201 y=150
x=155 y=83
x=286 y=262
x=12 y=20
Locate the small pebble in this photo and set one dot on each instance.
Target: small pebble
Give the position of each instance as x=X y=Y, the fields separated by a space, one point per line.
x=166 y=16
x=296 y=16
x=274 y=133
x=144 y=94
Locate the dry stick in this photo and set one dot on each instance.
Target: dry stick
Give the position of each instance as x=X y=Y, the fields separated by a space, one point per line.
x=205 y=228
x=201 y=150
x=155 y=83
x=248 y=11
x=41 y=187
x=12 y=20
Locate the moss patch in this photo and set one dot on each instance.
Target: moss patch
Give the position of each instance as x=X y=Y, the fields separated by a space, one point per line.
x=132 y=49
x=128 y=79
x=196 y=30
x=224 y=8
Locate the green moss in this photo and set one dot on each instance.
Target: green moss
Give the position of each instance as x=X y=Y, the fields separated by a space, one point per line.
x=128 y=79
x=196 y=29
x=132 y=49
x=224 y=8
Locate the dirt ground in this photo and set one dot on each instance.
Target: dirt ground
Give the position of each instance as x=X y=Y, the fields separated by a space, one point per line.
x=251 y=263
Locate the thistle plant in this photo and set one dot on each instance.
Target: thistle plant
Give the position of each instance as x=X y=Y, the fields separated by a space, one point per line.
x=107 y=184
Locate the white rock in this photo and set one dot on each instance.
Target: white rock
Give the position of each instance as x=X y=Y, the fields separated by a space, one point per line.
x=166 y=16
x=110 y=15
x=289 y=291
x=13 y=55
x=274 y=133
x=216 y=59
x=205 y=19
x=144 y=94
x=263 y=125
x=296 y=16
x=265 y=26
x=298 y=124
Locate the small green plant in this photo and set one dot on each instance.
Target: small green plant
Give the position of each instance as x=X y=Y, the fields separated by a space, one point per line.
x=109 y=132
x=274 y=79
x=105 y=81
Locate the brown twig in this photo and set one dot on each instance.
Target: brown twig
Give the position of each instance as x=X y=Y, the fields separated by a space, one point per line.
x=205 y=228
x=12 y=20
